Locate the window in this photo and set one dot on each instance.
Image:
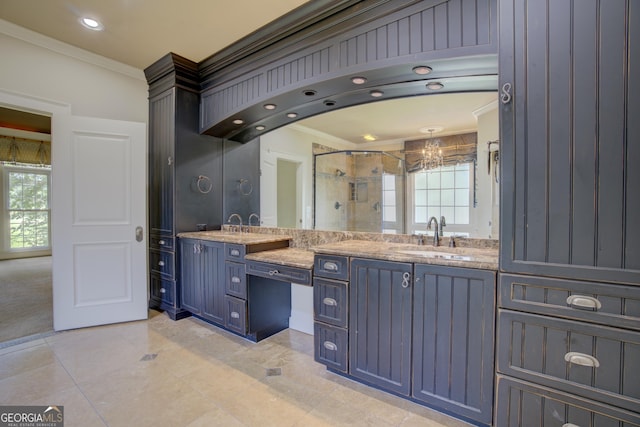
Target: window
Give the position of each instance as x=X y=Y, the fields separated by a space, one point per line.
x=442 y=192
x=27 y=202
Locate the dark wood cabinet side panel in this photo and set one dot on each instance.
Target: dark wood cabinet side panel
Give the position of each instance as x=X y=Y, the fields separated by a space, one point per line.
x=611 y=137
x=559 y=101
x=632 y=166
x=161 y=158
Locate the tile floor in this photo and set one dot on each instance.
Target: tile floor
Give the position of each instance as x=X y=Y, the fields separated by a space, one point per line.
x=188 y=373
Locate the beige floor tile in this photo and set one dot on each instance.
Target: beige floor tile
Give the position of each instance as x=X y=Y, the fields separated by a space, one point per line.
x=78 y=411
x=216 y=418
x=28 y=386
x=26 y=359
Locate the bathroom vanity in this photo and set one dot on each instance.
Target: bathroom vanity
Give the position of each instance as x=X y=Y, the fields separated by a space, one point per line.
x=417 y=321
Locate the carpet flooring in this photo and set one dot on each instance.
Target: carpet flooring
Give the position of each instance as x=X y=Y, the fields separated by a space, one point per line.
x=26 y=300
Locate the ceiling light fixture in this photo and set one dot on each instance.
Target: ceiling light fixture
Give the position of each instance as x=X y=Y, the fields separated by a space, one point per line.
x=92 y=24
x=269 y=106
x=435 y=85
x=369 y=137
x=431 y=154
x=422 y=70
x=261 y=127
x=238 y=122
x=329 y=102
x=292 y=115
x=358 y=80
x=376 y=93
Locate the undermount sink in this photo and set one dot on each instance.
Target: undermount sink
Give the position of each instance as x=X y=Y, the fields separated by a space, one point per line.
x=434 y=254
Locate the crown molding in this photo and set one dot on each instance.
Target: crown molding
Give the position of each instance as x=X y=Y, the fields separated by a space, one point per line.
x=37 y=39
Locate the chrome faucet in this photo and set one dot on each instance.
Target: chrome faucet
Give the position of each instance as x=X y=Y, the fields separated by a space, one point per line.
x=436 y=235
x=253 y=215
x=443 y=223
x=235 y=215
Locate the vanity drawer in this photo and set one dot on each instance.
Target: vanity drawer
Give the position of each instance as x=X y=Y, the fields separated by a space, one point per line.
x=330 y=302
x=330 y=345
x=163 y=263
x=607 y=304
x=331 y=266
x=596 y=362
x=283 y=273
x=162 y=290
x=235 y=282
x=235 y=314
x=157 y=241
x=234 y=252
x=527 y=405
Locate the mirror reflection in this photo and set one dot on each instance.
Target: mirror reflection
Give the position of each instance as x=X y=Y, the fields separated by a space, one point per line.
x=367 y=168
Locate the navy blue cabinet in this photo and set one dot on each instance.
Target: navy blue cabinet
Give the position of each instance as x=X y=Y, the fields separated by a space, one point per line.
x=453 y=339
x=380 y=296
x=202 y=279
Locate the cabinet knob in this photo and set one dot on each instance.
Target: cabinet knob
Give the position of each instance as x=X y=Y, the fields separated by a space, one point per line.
x=273 y=272
x=583 y=301
x=163 y=291
x=330 y=346
x=162 y=242
x=570 y=425
x=161 y=263
x=235 y=252
x=330 y=302
x=581 y=359
x=235 y=279
x=235 y=315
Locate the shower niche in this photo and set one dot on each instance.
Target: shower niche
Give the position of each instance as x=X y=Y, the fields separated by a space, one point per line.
x=359 y=191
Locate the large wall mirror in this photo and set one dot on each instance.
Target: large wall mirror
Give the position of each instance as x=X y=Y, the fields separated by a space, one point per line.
x=349 y=169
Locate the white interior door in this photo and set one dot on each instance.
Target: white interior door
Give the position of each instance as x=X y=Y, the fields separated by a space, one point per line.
x=98 y=215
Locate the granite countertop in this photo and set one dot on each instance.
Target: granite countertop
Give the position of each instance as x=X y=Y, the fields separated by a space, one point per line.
x=485 y=259
x=230 y=237
x=291 y=257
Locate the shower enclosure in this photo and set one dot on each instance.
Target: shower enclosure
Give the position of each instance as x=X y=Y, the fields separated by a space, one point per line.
x=359 y=191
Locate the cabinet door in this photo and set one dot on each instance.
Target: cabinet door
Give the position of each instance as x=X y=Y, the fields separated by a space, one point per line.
x=380 y=323
x=161 y=162
x=212 y=266
x=569 y=133
x=190 y=276
x=453 y=336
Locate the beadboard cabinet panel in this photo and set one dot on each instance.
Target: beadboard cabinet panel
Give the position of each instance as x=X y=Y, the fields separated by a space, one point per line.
x=568 y=141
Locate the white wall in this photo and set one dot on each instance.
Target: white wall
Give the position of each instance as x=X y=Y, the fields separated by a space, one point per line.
x=486 y=213
x=94 y=86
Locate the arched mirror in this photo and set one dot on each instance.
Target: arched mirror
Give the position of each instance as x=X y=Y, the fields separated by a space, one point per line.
x=349 y=170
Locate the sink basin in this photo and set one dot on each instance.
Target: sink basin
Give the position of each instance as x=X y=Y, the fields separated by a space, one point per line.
x=435 y=254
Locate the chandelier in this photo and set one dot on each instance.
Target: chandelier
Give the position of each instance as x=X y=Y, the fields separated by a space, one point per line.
x=431 y=153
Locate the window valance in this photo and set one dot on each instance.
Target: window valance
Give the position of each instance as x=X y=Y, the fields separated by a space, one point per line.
x=456 y=149
x=20 y=150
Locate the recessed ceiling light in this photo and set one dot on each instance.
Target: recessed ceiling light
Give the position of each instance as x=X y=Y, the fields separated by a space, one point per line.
x=238 y=121
x=292 y=115
x=329 y=102
x=421 y=70
x=269 y=106
x=309 y=92
x=358 y=80
x=435 y=85
x=260 y=127
x=92 y=24
x=376 y=93
x=369 y=137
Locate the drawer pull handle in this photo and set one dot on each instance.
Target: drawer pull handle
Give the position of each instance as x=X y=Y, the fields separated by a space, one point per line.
x=330 y=266
x=583 y=301
x=163 y=291
x=581 y=359
x=162 y=242
x=235 y=315
x=273 y=272
x=161 y=263
x=235 y=252
x=330 y=346
x=330 y=302
x=235 y=279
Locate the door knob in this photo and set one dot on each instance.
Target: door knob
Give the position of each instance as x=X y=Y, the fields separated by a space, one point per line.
x=139 y=233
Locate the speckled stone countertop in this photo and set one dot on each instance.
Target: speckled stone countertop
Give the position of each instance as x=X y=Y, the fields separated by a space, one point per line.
x=485 y=259
x=238 y=238
x=292 y=257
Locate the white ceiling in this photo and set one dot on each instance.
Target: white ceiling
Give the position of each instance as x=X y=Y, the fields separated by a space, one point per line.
x=138 y=32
